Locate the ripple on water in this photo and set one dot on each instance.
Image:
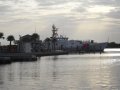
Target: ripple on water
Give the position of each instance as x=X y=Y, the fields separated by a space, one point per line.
x=65 y=72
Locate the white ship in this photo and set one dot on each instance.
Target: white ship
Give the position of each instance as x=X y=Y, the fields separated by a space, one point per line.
x=63 y=43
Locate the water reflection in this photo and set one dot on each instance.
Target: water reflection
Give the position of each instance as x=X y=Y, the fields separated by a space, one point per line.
x=67 y=72
x=55 y=58
x=1 y=76
x=112 y=50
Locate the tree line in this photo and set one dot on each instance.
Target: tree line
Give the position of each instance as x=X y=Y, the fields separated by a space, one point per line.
x=10 y=38
x=113 y=45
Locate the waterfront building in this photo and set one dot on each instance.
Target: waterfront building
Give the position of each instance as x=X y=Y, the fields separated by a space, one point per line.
x=98 y=46
x=7 y=49
x=27 y=45
x=90 y=45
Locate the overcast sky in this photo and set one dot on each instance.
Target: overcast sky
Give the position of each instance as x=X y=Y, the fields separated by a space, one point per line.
x=76 y=19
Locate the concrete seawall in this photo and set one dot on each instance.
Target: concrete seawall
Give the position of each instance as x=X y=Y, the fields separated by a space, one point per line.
x=6 y=58
x=50 y=53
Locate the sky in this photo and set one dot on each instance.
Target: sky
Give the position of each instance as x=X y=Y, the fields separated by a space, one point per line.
x=97 y=20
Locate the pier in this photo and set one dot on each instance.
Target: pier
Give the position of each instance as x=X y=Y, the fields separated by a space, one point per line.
x=50 y=53
x=6 y=58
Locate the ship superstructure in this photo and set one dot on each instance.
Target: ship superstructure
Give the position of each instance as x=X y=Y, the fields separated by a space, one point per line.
x=60 y=42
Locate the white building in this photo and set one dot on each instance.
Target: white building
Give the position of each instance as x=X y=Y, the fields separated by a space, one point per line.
x=27 y=45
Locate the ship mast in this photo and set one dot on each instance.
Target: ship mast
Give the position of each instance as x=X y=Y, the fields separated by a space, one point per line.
x=54 y=31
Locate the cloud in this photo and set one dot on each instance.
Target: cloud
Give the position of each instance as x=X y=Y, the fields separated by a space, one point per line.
x=115 y=3
x=70 y=16
x=4 y=9
x=115 y=14
x=51 y=2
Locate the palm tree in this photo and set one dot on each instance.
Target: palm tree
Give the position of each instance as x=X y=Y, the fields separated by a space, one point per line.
x=47 y=40
x=10 y=38
x=1 y=36
x=35 y=36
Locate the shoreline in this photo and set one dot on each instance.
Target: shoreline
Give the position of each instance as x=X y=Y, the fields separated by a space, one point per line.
x=7 y=58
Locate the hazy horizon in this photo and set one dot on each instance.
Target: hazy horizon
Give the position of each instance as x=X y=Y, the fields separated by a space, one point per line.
x=77 y=19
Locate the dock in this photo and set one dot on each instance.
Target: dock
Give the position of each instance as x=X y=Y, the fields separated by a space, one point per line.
x=12 y=57
x=52 y=53
x=6 y=58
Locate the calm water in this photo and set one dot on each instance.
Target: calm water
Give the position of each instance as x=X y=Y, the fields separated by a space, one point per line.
x=66 y=72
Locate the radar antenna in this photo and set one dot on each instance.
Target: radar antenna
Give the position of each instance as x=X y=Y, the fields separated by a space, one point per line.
x=54 y=31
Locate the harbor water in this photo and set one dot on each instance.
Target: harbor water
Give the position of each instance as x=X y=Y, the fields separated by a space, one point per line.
x=64 y=72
